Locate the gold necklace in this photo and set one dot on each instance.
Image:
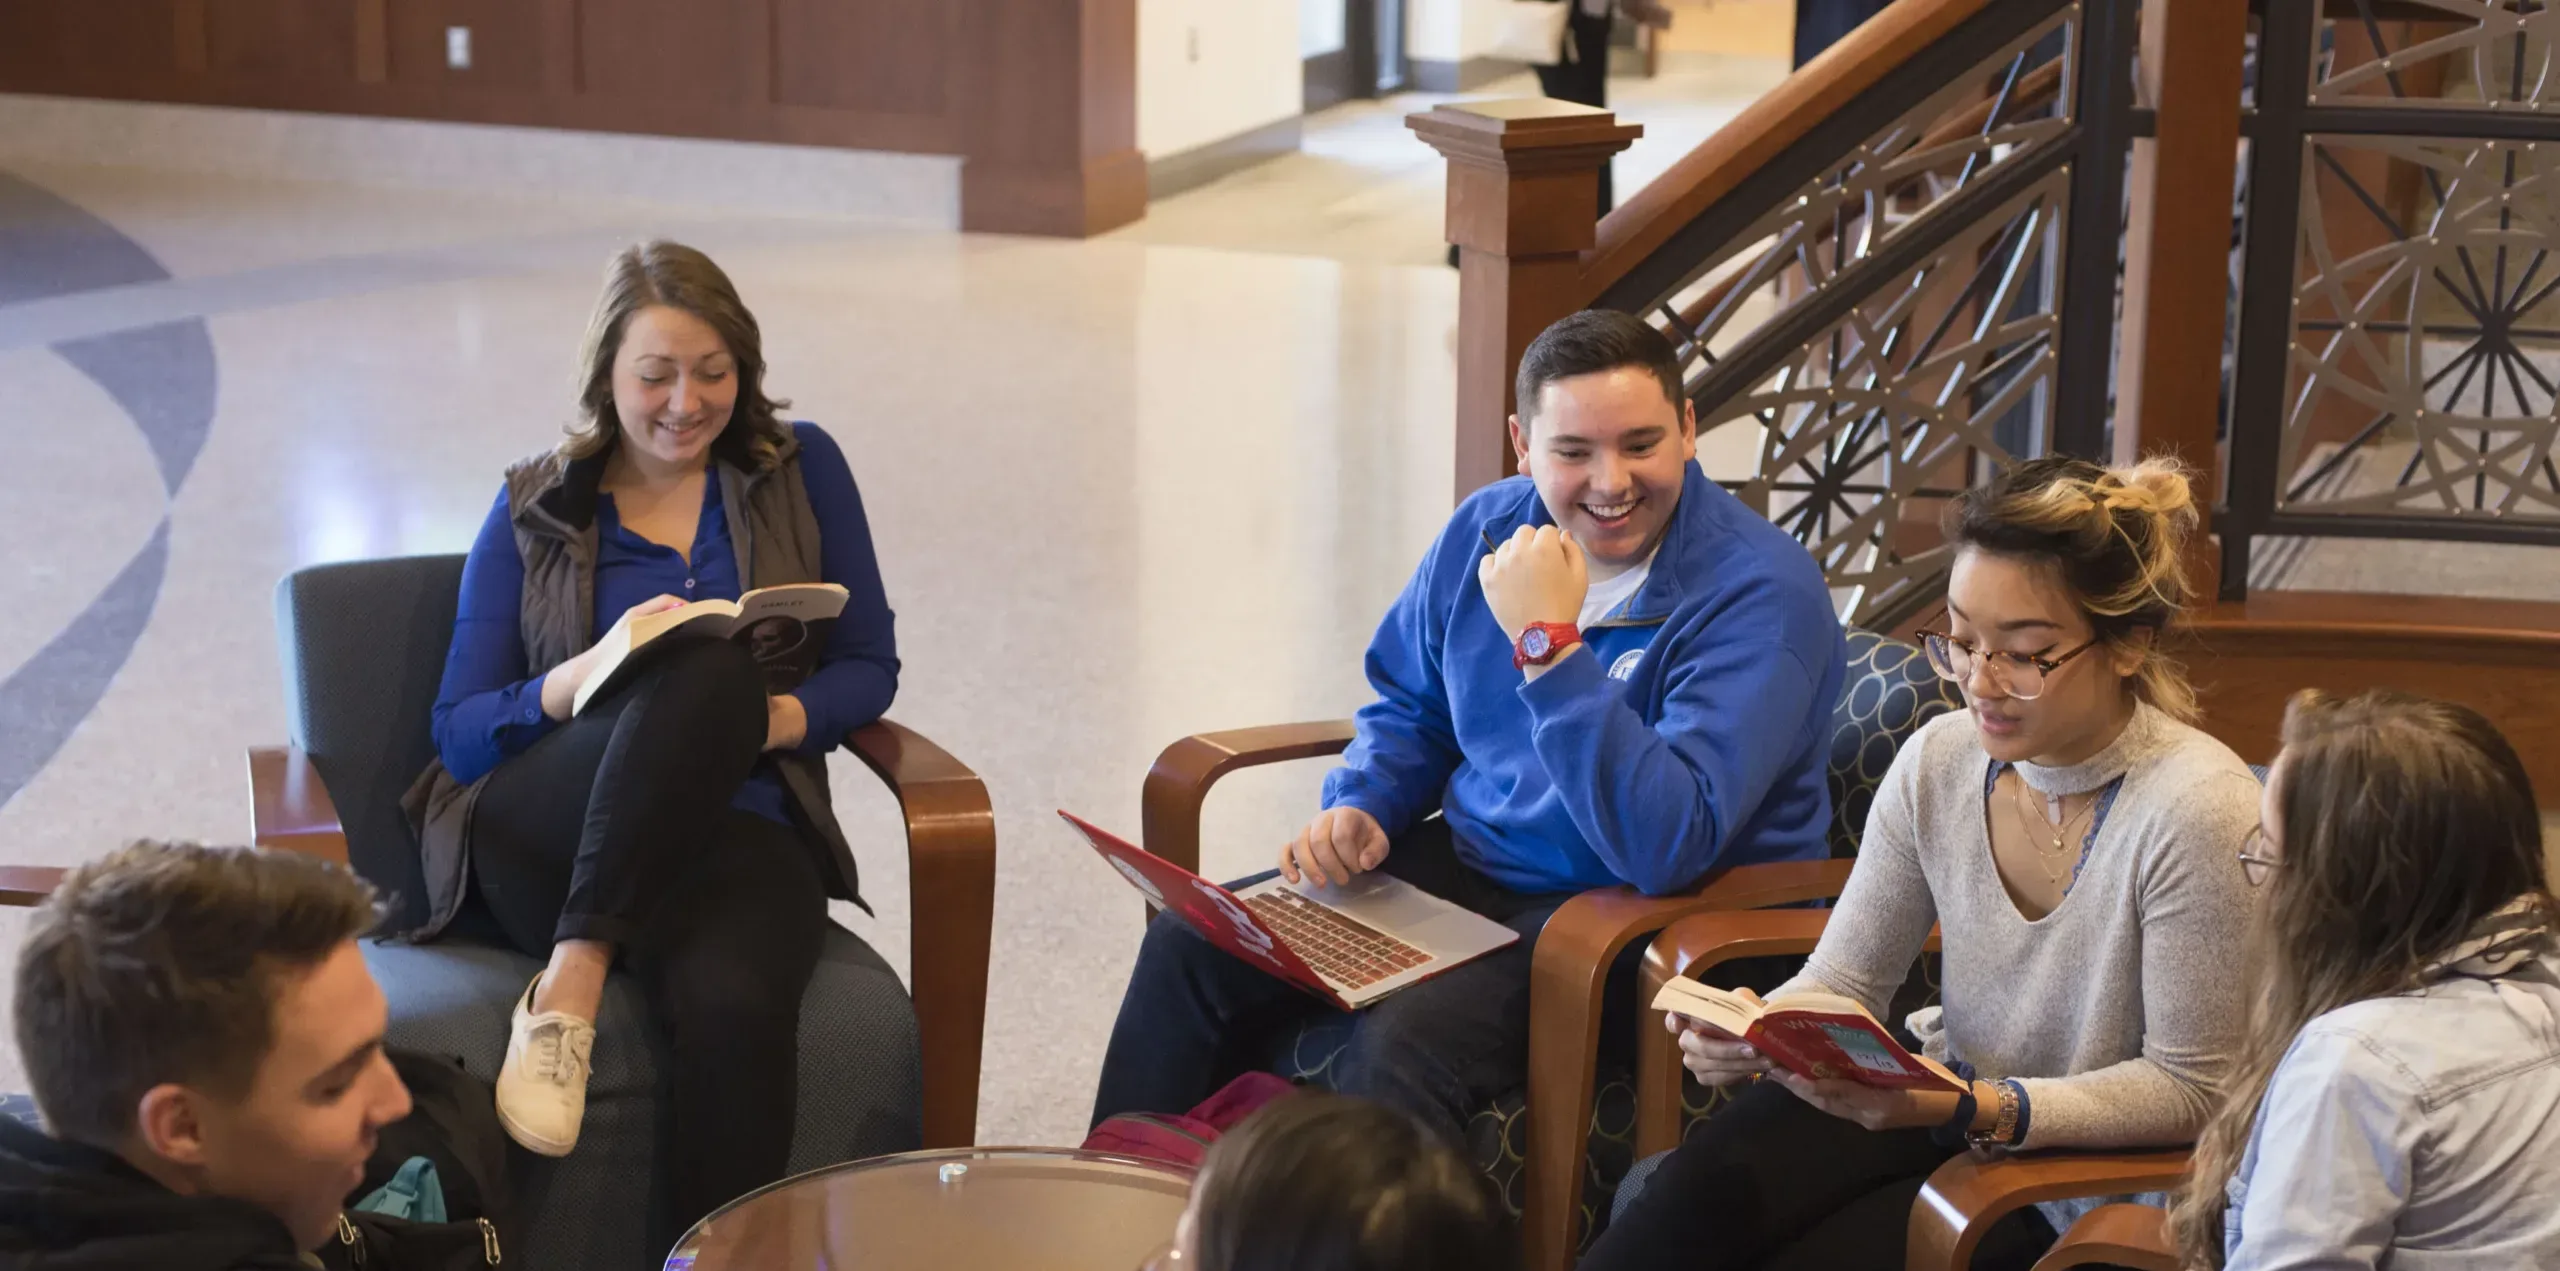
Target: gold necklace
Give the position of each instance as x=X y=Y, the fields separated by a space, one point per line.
x=2043 y=824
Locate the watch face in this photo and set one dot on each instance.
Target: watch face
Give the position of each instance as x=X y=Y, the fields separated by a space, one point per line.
x=1535 y=642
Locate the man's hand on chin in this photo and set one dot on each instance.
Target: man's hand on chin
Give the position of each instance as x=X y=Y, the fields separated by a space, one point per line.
x=1538 y=576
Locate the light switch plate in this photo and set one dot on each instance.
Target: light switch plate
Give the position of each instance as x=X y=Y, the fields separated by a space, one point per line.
x=457 y=48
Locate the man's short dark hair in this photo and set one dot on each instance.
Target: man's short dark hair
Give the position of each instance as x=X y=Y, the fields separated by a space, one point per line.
x=1590 y=342
x=160 y=963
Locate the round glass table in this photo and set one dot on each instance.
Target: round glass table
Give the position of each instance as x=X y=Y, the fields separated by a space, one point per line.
x=1018 y=1209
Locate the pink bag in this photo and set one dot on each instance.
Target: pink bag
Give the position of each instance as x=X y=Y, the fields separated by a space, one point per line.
x=1184 y=1138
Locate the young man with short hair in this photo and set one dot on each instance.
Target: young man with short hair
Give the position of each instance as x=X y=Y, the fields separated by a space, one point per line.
x=1607 y=670
x=205 y=1044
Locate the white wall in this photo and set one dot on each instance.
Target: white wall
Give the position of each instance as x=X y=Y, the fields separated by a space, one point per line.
x=1453 y=30
x=1210 y=69
x=1319 y=27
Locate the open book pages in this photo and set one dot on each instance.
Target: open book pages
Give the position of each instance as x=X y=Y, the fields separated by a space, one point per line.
x=1818 y=1035
x=783 y=627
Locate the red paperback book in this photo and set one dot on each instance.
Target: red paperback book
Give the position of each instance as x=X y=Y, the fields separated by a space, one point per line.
x=1817 y=1035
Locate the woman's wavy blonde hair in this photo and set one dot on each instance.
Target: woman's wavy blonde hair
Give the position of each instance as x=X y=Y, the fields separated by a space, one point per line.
x=676 y=276
x=2116 y=538
x=2403 y=822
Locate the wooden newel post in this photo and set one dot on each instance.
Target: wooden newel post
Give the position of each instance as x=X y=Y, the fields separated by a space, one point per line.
x=1524 y=187
x=2177 y=268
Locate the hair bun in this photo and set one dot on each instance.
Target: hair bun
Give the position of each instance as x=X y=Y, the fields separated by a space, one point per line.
x=2157 y=486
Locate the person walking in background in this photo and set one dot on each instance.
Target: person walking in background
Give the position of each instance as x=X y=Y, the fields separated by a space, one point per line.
x=1823 y=23
x=1582 y=74
x=2397 y=1100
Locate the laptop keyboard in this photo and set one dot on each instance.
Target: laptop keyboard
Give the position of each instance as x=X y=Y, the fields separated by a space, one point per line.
x=1344 y=951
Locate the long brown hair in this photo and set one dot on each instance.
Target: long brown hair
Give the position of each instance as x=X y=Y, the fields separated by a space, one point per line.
x=676 y=276
x=2115 y=537
x=2403 y=821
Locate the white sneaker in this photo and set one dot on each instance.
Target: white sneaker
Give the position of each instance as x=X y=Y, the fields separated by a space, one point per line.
x=542 y=1088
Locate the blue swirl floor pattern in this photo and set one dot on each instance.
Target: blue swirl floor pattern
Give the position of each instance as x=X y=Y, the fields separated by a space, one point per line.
x=164 y=378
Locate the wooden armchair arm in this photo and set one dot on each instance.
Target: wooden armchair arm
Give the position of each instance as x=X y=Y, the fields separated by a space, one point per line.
x=1169 y=825
x=289 y=806
x=1693 y=947
x=1971 y=1192
x=1568 y=974
x=951 y=882
x=2118 y=1235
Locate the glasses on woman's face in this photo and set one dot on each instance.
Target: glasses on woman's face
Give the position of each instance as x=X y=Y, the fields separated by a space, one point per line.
x=2019 y=675
x=2256 y=861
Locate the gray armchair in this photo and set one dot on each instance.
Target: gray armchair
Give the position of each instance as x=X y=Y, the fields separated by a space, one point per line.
x=363 y=645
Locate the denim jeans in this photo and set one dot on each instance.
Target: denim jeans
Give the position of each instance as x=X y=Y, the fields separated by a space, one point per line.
x=1194 y=1018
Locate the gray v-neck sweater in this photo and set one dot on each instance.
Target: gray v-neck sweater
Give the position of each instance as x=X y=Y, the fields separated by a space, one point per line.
x=2119 y=1011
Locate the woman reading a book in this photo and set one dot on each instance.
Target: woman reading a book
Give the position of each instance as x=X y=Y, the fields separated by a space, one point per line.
x=2074 y=838
x=2397 y=1100
x=677 y=818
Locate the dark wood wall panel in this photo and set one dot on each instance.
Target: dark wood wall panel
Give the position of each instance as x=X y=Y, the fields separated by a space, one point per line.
x=1038 y=97
x=303 y=41
x=890 y=56
x=677 y=50
x=510 y=45
x=121 y=37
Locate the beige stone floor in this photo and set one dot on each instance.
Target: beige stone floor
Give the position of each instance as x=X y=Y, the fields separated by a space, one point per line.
x=1361 y=188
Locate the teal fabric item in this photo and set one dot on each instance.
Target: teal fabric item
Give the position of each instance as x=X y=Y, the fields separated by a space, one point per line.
x=415 y=1193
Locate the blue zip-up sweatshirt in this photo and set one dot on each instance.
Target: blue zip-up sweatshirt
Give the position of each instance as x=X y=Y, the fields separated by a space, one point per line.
x=1691 y=730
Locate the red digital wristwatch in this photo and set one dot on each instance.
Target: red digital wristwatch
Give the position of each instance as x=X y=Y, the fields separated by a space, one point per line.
x=1541 y=642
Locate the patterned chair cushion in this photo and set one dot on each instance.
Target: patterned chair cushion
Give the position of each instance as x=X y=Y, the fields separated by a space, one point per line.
x=22 y=1107
x=1886 y=695
x=861 y=1085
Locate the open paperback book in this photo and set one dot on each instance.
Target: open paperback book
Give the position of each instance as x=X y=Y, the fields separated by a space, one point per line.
x=784 y=627
x=1817 y=1035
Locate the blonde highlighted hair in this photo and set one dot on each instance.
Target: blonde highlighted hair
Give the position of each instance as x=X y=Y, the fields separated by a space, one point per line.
x=678 y=277
x=2117 y=540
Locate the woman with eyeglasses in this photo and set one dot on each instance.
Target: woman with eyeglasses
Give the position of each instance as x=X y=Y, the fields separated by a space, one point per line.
x=2072 y=835
x=2397 y=1099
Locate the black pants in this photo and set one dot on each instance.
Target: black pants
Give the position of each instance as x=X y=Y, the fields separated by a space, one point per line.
x=1775 y=1184
x=617 y=827
x=1195 y=1017
x=1584 y=75
x=1823 y=23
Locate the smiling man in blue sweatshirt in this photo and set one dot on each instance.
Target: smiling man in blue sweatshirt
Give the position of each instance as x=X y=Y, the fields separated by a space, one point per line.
x=1632 y=686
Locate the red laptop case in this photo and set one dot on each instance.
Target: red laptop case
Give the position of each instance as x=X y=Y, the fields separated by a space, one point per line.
x=1213 y=911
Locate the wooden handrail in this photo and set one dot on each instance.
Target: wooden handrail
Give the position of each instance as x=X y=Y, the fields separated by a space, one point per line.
x=1763 y=131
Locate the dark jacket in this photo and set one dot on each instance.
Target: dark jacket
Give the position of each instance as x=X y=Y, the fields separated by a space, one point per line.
x=65 y=1207
x=552 y=500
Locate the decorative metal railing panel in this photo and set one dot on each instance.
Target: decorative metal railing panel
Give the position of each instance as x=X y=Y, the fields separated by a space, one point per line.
x=2438 y=54
x=2399 y=332
x=1889 y=313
